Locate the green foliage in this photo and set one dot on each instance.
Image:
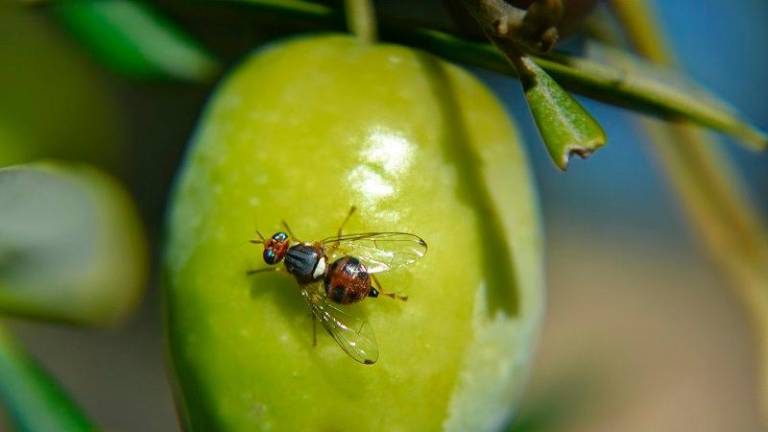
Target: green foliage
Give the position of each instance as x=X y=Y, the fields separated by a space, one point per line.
x=645 y=88
x=72 y=245
x=565 y=126
x=131 y=38
x=33 y=400
x=628 y=87
x=72 y=248
x=53 y=101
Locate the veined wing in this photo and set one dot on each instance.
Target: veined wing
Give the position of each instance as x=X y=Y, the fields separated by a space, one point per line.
x=379 y=251
x=353 y=334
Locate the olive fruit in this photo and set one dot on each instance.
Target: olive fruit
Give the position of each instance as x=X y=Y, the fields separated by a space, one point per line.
x=301 y=131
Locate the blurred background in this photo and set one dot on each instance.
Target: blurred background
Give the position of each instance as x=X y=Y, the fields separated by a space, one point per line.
x=641 y=331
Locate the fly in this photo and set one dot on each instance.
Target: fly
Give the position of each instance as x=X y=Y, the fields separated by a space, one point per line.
x=341 y=270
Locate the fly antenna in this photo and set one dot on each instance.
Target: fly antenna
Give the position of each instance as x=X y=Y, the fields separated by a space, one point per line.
x=260 y=241
x=287 y=228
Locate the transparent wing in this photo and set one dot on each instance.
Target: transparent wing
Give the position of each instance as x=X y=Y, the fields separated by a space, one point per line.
x=353 y=334
x=379 y=251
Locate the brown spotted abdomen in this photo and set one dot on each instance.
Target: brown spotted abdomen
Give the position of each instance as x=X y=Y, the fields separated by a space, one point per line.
x=347 y=281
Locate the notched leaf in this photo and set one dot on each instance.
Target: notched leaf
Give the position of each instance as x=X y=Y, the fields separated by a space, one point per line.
x=580 y=151
x=565 y=126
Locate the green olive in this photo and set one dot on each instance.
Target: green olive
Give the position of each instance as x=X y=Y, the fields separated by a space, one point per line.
x=301 y=131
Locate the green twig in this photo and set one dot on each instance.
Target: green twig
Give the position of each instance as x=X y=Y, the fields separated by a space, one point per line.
x=534 y=29
x=361 y=19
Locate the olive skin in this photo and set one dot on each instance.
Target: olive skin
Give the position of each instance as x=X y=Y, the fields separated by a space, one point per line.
x=301 y=131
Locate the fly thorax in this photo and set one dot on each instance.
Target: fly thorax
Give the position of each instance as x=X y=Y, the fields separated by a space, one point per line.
x=302 y=260
x=319 y=269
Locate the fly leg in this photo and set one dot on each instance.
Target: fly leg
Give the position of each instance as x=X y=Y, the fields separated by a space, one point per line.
x=377 y=290
x=260 y=241
x=341 y=228
x=314 y=330
x=263 y=270
x=346 y=219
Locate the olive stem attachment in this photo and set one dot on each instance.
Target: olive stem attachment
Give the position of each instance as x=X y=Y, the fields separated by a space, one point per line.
x=566 y=128
x=534 y=29
x=361 y=19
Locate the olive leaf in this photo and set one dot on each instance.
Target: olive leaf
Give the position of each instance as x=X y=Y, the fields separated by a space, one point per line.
x=636 y=88
x=132 y=39
x=135 y=40
x=644 y=86
x=71 y=245
x=33 y=400
x=565 y=126
x=632 y=88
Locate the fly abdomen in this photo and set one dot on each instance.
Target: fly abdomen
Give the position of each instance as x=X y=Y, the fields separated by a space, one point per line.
x=305 y=262
x=347 y=281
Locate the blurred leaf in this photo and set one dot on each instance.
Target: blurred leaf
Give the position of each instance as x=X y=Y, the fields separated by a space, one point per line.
x=54 y=103
x=565 y=126
x=71 y=245
x=131 y=38
x=33 y=400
